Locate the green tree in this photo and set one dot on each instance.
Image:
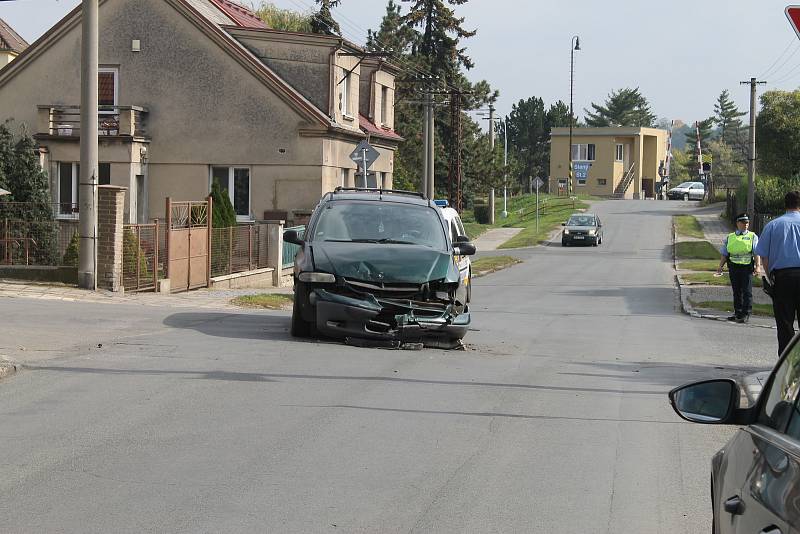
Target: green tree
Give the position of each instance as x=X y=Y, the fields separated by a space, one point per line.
x=624 y=107
x=706 y=128
x=725 y=160
x=778 y=133
x=727 y=118
x=283 y=19
x=322 y=21
x=223 y=214
x=392 y=37
x=442 y=32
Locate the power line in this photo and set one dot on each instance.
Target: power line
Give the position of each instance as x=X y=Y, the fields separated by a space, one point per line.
x=768 y=72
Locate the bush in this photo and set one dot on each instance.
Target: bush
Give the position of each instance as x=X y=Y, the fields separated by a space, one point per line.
x=481 y=212
x=71 y=254
x=769 y=193
x=129 y=255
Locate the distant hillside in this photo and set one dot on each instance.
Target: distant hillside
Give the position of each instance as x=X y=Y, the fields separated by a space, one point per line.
x=679 y=135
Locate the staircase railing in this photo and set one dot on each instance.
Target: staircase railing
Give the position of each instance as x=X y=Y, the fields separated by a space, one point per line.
x=623 y=186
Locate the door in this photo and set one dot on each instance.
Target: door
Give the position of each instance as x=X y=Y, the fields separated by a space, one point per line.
x=758 y=485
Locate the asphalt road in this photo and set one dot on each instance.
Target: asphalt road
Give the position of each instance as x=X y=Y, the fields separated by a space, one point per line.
x=555 y=419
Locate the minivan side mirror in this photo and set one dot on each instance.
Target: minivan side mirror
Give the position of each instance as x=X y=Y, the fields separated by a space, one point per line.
x=563 y=224
x=707 y=402
x=290 y=236
x=462 y=246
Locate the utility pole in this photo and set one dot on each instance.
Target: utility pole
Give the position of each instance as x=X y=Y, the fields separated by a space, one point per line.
x=427 y=185
x=505 y=169
x=87 y=258
x=454 y=174
x=431 y=152
x=491 y=142
x=751 y=161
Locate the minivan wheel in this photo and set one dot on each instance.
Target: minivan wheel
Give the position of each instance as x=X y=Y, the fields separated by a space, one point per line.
x=300 y=327
x=686 y=196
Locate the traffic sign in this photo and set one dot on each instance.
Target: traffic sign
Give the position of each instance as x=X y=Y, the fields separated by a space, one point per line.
x=363 y=150
x=793 y=14
x=537 y=183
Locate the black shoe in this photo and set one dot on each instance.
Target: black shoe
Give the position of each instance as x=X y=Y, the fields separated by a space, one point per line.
x=733 y=318
x=743 y=319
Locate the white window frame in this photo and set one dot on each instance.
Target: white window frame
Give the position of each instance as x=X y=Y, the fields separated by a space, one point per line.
x=75 y=185
x=344 y=95
x=582 y=152
x=115 y=71
x=231 y=169
x=620 y=152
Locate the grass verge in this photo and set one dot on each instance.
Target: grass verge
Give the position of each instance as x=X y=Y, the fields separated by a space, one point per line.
x=696 y=250
x=758 y=309
x=699 y=265
x=708 y=279
x=484 y=266
x=553 y=210
x=688 y=226
x=270 y=301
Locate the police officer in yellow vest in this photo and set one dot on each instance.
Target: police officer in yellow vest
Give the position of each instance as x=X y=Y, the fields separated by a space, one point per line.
x=737 y=252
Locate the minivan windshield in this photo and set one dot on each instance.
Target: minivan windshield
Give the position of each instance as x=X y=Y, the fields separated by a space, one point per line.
x=686 y=185
x=581 y=220
x=380 y=222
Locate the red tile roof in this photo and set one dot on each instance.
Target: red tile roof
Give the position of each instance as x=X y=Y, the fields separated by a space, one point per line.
x=240 y=14
x=369 y=128
x=11 y=40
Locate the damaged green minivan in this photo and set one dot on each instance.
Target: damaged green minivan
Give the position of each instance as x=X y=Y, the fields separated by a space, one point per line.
x=378 y=267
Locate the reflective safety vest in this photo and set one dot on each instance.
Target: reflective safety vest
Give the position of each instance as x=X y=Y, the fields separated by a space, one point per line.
x=740 y=248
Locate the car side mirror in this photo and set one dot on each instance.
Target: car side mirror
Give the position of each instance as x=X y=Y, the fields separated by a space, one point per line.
x=463 y=248
x=563 y=224
x=707 y=402
x=290 y=236
x=460 y=239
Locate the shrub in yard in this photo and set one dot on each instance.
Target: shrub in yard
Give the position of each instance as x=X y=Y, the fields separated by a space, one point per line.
x=130 y=251
x=481 y=212
x=223 y=218
x=70 y=258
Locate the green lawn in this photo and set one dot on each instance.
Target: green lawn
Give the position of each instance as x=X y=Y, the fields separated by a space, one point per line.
x=687 y=225
x=699 y=265
x=709 y=279
x=270 y=301
x=491 y=264
x=758 y=309
x=696 y=250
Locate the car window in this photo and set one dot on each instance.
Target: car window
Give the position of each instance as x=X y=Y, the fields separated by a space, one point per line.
x=453 y=231
x=380 y=222
x=685 y=184
x=581 y=220
x=782 y=395
x=460 y=226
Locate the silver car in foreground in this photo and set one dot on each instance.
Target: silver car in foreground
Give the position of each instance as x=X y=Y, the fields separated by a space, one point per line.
x=582 y=229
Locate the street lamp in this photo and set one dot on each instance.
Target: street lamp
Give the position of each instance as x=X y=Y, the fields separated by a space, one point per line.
x=575 y=44
x=505 y=168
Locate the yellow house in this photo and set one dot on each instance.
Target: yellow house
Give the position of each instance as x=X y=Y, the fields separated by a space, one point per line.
x=11 y=44
x=619 y=162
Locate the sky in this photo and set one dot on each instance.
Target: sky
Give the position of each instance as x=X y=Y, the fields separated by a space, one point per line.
x=681 y=54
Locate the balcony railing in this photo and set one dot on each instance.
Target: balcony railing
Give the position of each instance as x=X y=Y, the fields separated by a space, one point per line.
x=65 y=121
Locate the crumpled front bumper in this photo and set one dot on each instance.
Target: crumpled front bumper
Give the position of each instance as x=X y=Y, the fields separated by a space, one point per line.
x=381 y=319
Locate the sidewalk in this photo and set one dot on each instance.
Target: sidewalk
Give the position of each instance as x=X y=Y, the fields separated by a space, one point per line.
x=199 y=298
x=491 y=239
x=715 y=229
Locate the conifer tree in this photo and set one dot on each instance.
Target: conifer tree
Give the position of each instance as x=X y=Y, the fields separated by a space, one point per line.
x=323 y=21
x=727 y=118
x=625 y=107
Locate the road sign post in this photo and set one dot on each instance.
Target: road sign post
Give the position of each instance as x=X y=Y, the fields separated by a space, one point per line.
x=364 y=155
x=538 y=183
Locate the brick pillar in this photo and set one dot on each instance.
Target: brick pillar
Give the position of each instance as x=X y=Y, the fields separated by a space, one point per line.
x=110 y=214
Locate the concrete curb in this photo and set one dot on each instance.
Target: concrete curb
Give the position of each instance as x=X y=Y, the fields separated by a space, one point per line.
x=686 y=306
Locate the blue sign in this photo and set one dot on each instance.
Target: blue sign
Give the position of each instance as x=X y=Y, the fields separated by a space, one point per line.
x=581 y=169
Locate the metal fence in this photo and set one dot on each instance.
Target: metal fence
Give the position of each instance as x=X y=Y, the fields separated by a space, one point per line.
x=30 y=235
x=759 y=220
x=239 y=248
x=290 y=249
x=142 y=256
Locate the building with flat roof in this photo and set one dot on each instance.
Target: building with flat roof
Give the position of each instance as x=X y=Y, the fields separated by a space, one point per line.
x=619 y=162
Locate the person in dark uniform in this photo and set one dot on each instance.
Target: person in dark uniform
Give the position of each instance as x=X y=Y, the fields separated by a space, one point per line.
x=737 y=252
x=779 y=249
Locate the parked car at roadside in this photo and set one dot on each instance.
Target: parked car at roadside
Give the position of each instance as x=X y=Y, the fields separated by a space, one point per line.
x=381 y=266
x=755 y=477
x=582 y=229
x=687 y=191
x=456 y=229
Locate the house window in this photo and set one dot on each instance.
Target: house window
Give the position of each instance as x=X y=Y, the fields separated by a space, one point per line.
x=344 y=94
x=384 y=105
x=602 y=181
x=107 y=88
x=620 y=152
x=68 y=179
x=236 y=181
x=104 y=174
x=583 y=152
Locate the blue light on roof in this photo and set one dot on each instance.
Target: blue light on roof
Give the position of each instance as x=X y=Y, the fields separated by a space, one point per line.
x=441 y=203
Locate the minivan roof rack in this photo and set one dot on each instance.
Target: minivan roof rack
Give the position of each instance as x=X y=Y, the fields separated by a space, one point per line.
x=380 y=191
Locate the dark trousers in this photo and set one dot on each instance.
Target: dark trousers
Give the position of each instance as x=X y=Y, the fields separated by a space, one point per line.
x=786 y=304
x=742 y=284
